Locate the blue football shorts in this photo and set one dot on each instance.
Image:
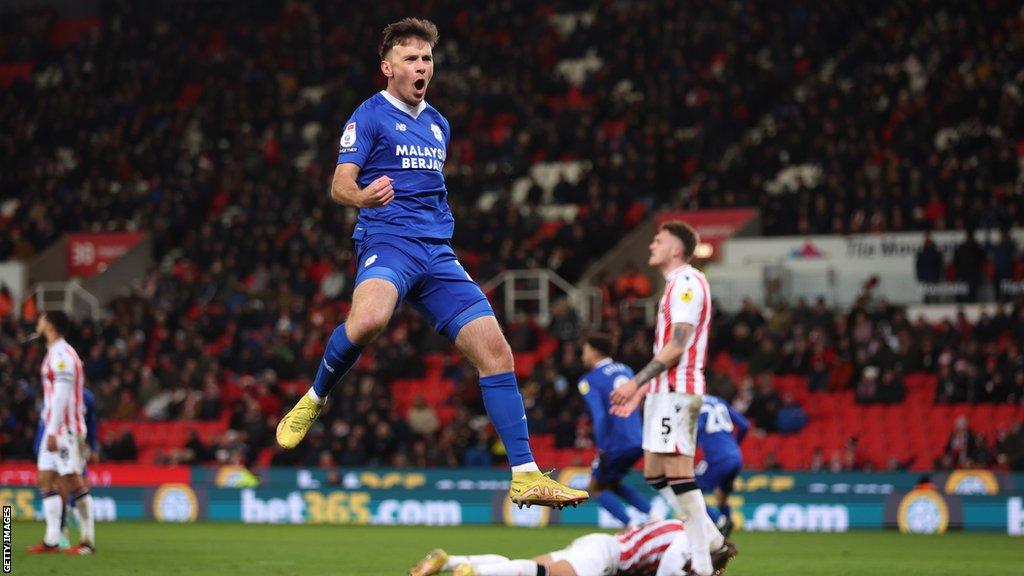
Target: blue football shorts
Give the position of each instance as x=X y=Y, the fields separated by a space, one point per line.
x=428 y=276
x=719 y=474
x=611 y=467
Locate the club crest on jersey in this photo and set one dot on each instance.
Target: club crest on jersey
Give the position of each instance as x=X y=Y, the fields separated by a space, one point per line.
x=437 y=132
x=348 y=137
x=687 y=296
x=62 y=365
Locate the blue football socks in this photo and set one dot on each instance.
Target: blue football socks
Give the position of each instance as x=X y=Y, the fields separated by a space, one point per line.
x=614 y=506
x=714 y=514
x=505 y=407
x=633 y=498
x=340 y=355
x=725 y=510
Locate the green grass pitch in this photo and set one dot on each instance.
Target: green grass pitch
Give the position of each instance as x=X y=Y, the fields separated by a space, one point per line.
x=221 y=549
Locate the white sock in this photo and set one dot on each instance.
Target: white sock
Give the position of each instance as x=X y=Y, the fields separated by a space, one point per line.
x=528 y=467
x=86 y=520
x=476 y=560
x=510 y=568
x=78 y=521
x=715 y=538
x=694 y=510
x=315 y=397
x=52 y=506
x=673 y=501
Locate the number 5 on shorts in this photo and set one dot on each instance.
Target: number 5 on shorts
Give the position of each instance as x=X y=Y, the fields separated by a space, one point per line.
x=666 y=428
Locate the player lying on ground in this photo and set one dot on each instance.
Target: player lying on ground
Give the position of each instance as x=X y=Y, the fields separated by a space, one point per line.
x=659 y=548
x=390 y=167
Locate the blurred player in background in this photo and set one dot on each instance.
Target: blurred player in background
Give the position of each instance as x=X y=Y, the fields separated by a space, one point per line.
x=61 y=461
x=672 y=385
x=659 y=548
x=722 y=457
x=619 y=440
x=90 y=453
x=390 y=166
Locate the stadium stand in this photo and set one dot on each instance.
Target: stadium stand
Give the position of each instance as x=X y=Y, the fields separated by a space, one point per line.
x=918 y=131
x=218 y=138
x=859 y=376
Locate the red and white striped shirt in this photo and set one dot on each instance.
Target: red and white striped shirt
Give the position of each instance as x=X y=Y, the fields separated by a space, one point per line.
x=63 y=380
x=687 y=299
x=643 y=546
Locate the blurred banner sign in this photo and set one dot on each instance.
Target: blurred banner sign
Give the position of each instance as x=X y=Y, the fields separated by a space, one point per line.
x=89 y=254
x=24 y=474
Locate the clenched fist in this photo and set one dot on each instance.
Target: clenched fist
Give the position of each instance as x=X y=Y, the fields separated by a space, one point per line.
x=378 y=193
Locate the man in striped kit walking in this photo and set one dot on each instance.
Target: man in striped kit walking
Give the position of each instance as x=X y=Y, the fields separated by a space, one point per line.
x=61 y=460
x=672 y=386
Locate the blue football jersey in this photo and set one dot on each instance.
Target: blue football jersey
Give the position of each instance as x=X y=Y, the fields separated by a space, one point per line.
x=715 y=426
x=384 y=138
x=611 y=433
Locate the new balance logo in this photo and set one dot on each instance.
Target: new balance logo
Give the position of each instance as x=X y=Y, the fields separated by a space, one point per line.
x=328 y=366
x=370 y=261
x=400 y=127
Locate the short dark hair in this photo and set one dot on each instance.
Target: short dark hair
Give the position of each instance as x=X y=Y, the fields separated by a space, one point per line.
x=601 y=342
x=397 y=33
x=684 y=232
x=59 y=320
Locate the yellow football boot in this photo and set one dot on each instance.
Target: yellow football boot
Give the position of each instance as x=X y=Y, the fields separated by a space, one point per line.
x=464 y=570
x=293 y=427
x=529 y=488
x=431 y=564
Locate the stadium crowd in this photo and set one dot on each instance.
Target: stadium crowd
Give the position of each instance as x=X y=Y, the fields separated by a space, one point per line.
x=913 y=124
x=870 y=348
x=240 y=367
x=204 y=124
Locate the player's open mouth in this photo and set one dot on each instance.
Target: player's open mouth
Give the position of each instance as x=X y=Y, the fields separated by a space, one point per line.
x=420 y=84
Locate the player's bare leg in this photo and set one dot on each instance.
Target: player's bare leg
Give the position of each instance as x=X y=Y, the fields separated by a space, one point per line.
x=483 y=344
x=53 y=504
x=373 y=303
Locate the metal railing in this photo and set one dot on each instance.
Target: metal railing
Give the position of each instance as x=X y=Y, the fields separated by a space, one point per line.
x=533 y=291
x=68 y=296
